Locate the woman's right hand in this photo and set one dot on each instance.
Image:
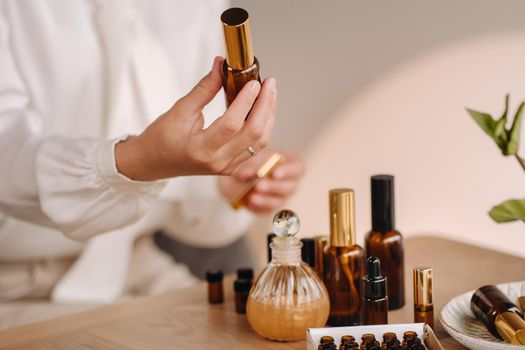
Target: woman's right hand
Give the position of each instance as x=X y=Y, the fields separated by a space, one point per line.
x=177 y=144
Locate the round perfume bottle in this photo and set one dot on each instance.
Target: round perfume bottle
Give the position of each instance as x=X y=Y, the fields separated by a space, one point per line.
x=288 y=297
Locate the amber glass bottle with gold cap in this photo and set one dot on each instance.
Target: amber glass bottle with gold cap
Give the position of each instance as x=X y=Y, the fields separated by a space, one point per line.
x=240 y=66
x=343 y=261
x=423 y=305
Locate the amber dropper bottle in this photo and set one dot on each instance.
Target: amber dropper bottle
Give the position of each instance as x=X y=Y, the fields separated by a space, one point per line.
x=384 y=241
x=343 y=265
x=423 y=305
x=240 y=66
x=375 y=301
x=500 y=315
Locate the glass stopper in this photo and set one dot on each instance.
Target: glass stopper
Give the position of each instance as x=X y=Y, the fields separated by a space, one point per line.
x=285 y=223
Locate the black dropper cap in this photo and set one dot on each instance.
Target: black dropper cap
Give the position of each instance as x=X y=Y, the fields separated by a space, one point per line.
x=245 y=273
x=383 y=213
x=269 y=238
x=374 y=283
x=214 y=276
x=308 y=251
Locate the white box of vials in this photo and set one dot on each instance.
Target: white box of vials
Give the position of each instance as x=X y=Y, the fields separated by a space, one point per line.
x=424 y=331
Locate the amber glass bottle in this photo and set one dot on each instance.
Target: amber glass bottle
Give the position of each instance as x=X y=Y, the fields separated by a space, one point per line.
x=384 y=241
x=499 y=314
x=343 y=265
x=240 y=66
x=423 y=291
x=375 y=301
x=215 y=287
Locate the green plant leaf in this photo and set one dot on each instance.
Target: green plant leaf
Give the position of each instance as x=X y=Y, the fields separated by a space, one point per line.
x=511 y=210
x=484 y=120
x=514 y=132
x=499 y=129
x=488 y=124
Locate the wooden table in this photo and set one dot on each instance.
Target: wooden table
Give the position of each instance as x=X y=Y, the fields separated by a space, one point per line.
x=183 y=319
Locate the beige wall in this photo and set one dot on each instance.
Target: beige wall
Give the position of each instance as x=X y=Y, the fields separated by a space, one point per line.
x=381 y=87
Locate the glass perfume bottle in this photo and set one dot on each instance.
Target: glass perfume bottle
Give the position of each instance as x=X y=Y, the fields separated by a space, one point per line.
x=344 y=261
x=288 y=297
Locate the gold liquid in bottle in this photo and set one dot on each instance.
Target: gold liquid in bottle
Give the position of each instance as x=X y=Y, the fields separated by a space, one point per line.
x=288 y=296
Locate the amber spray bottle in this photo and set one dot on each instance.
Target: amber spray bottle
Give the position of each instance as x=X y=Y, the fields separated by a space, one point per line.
x=240 y=65
x=423 y=304
x=343 y=265
x=375 y=300
x=384 y=241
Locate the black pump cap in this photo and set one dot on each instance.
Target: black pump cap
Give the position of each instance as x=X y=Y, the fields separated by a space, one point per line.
x=308 y=251
x=245 y=273
x=383 y=213
x=269 y=238
x=214 y=276
x=242 y=285
x=374 y=284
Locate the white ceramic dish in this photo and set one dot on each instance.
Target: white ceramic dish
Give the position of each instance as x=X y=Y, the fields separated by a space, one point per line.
x=461 y=324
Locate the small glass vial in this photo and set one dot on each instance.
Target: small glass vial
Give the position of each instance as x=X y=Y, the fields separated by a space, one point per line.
x=242 y=290
x=369 y=342
x=288 y=297
x=411 y=341
x=215 y=287
x=348 y=343
x=327 y=343
x=390 y=342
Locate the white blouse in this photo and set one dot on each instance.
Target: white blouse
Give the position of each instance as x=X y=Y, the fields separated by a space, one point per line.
x=76 y=77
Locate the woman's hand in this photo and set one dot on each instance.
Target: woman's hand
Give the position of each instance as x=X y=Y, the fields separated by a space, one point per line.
x=177 y=144
x=269 y=193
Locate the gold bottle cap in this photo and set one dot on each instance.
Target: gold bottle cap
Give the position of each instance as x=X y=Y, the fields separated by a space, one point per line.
x=422 y=286
x=511 y=327
x=237 y=34
x=342 y=217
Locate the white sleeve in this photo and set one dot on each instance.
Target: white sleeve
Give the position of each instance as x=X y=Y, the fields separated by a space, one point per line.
x=69 y=184
x=193 y=211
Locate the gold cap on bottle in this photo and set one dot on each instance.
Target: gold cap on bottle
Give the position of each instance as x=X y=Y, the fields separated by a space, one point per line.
x=342 y=217
x=237 y=34
x=511 y=327
x=422 y=286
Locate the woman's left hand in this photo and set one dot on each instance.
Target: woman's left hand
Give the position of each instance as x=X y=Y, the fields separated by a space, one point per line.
x=269 y=193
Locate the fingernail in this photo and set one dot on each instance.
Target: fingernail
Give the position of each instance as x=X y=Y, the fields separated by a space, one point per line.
x=273 y=89
x=272 y=84
x=254 y=86
x=217 y=58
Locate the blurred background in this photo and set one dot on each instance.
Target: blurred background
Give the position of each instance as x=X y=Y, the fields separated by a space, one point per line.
x=368 y=87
